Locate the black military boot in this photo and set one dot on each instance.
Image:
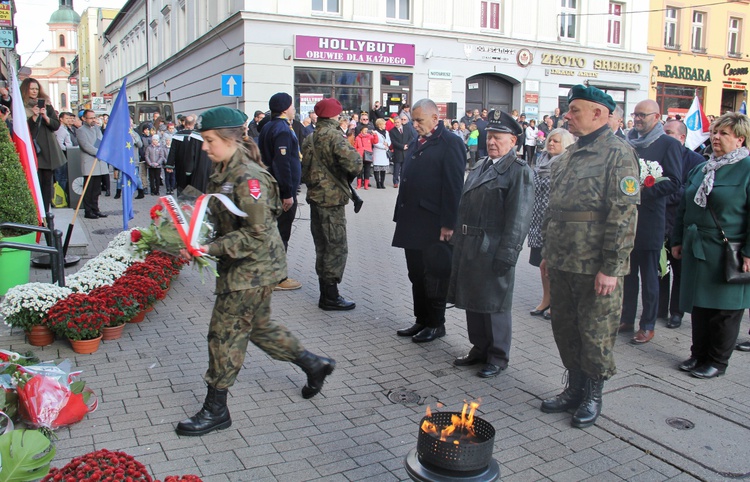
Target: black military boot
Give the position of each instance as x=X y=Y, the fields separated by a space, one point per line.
x=118 y=192
x=213 y=416
x=591 y=405
x=140 y=194
x=317 y=369
x=570 y=397
x=331 y=300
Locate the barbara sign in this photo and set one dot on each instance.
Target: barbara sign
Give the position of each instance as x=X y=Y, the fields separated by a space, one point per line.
x=335 y=49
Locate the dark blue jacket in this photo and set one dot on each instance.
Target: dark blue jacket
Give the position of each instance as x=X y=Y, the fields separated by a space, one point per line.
x=652 y=210
x=279 y=149
x=690 y=159
x=430 y=189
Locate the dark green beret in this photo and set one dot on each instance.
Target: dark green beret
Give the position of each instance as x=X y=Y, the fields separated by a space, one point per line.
x=592 y=94
x=220 y=118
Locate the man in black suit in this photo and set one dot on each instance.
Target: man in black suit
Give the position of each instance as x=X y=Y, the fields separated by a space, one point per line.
x=401 y=136
x=426 y=211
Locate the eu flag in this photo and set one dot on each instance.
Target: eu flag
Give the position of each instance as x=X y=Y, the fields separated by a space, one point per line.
x=118 y=150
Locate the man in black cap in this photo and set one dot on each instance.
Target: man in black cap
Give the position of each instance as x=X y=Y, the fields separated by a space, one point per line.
x=493 y=219
x=279 y=148
x=589 y=230
x=426 y=210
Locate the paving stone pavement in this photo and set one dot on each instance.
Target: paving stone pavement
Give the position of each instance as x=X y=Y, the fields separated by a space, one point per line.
x=152 y=378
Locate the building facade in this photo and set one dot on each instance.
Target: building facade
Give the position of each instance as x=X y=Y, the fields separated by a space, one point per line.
x=87 y=79
x=509 y=54
x=699 y=50
x=124 y=51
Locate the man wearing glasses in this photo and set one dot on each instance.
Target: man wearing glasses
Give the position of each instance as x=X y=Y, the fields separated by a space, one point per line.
x=651 y=144
x=89 y=136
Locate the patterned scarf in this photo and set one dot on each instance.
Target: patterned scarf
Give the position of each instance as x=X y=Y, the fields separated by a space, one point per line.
x=645 y=141
x=710 y=168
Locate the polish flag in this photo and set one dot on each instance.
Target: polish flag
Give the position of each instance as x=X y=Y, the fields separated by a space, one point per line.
x=24 y=145
x=697 y=125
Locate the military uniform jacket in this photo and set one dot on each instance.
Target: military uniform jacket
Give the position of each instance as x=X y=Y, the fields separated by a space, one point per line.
x=279 y=149
x=601 y=177
x=430 y=189
x=493 y=219
x=327 y=146
x=249 y=249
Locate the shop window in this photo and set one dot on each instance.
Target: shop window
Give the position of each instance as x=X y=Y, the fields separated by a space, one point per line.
x=733 y=39
x=325 y=6
x=614 y=26
x=353 y=88
x=697 y=38
x=676 y=98
x=397 y=9
x=568 y=19
x=490 y=15
x=62 y=40
x=670 y=28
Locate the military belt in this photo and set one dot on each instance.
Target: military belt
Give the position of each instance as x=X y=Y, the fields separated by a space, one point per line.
x=578 y=216
x=471 y=230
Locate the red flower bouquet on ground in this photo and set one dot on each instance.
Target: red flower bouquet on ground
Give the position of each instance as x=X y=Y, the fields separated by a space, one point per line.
x=101 y=465
x=78 y=317
x=151 y=268
x=142 y=289
x=121 y=303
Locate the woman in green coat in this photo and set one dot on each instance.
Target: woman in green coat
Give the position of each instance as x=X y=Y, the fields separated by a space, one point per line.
x=723 y=185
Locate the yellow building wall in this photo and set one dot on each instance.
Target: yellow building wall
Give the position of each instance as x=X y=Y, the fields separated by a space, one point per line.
x=721 y=76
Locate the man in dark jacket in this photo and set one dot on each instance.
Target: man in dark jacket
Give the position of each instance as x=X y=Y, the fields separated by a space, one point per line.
x=192 y=165
x=252 y=128
x=426 y=211
x=651 y=144
x=494 y=215
x=401 y=137
x=279 y=148
x=669 y=303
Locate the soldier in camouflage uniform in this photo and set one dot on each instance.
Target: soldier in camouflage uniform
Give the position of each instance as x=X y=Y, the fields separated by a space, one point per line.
x=251 y=261
x=589 y=231
x=325 y=154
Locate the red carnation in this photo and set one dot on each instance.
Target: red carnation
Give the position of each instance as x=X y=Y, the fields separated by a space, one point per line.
x=649 y=181
x=135 y=236
x=156 y=211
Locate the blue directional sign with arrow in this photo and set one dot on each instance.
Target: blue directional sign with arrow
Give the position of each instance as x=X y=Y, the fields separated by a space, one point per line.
x=231 y=85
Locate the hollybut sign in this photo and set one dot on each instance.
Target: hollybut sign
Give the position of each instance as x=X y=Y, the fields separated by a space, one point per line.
x=335 y=49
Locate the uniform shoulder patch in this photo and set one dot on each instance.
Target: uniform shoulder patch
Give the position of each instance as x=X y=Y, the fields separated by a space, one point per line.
x=629 y=185
x=282 y=150
x=254 y=186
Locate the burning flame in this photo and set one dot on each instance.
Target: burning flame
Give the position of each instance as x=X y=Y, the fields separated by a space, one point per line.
x=460 y=430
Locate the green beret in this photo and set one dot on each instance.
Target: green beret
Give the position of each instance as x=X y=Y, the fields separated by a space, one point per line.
x=591 y=94
x=220 y=118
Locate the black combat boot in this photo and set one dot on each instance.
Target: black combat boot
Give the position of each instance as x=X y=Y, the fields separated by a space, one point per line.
x=118 y=193
x=140 y=194
x=570 y=397
x=213 y=416
x=331 y=300
x=317 y=369
x=591 y=405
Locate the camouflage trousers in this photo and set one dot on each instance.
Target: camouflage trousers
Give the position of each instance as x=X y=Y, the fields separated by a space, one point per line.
x=328 y=228
x=584 y=324
x=237 y=317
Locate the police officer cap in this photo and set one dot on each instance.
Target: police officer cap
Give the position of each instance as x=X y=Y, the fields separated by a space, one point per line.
x=499 y=121
x=591 y=94
x=280 y=102
x=328 y=108
x=220 y=118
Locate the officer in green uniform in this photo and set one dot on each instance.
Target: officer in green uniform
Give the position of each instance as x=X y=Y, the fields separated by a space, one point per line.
x=589 y=231
x=251 y=261
x=329 y=163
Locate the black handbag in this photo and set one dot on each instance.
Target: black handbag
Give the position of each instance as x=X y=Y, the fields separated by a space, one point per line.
x=732 y=257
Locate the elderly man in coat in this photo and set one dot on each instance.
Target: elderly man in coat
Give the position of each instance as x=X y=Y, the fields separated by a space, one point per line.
x=89 y=136
x=494 y=215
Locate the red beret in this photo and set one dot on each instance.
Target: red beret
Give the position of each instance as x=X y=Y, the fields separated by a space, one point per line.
x=393 y=115
x=328 y=108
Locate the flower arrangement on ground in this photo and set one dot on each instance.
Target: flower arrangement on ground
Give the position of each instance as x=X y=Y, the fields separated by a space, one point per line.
x=142 y=289
x=651 y=173
x=151 y=270
x=121 y=303
x=99 y=466
x=78 y=317
x=184 y=478
x=25 y=306
x=86 y=280
x=162 y=235
x=119 y=254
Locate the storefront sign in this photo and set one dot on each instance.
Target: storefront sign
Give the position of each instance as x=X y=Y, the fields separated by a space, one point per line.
x=685 y=73
x=617 y=66
x=6 y=19
x=490 y=52
x=439 y=74
x=531 y=98
x=307 y=104
x=728 y=70
x=580 y=63
x=563 y=60
x=334 y=49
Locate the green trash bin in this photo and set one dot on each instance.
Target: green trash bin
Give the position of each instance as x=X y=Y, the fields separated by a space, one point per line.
x=15 y=264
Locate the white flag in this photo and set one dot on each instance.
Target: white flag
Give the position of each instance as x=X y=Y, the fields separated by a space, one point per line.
x=697 y=125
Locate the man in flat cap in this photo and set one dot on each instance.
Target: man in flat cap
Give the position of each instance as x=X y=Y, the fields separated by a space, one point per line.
x=426 y=211
x=588 y=231
x=494 y=215
x=329 y=164
x=653 y=146
x=279 y=149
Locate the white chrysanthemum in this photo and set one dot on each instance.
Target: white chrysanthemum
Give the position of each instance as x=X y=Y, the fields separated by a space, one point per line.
x=105 y=266
x=650 y=168
x=122 y=240
x=35 y=297
x=85 y=281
